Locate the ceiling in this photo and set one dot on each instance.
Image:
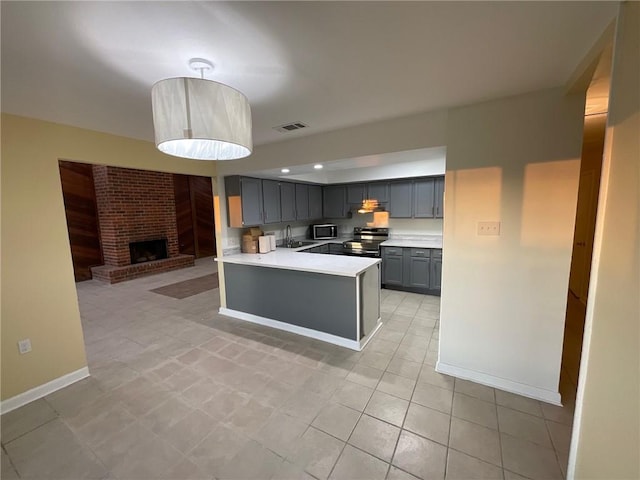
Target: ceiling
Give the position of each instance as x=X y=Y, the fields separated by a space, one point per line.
x=327 y=64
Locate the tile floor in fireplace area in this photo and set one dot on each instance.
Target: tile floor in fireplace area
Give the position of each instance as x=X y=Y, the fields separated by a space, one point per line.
x=179 y=392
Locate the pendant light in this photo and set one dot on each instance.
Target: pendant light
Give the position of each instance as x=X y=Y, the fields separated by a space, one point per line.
x=201 y=119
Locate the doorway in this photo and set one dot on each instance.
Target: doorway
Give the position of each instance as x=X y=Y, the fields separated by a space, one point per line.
x=595 y=124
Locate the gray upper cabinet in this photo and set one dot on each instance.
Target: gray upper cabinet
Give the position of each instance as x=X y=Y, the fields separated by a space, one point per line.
x=334 y=201
x=423 y=195
x=302 y=201
x=378 y=191
x=251 y=201
x=400 y=199
x=315 y=202
x=355 y=193
x=271 y=201
x=438 y=199
x=244 y=201
x=288 y=201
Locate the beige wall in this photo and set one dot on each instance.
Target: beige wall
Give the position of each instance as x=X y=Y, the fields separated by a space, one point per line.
x=606 y=437
x=38 y=291
x=514 y=160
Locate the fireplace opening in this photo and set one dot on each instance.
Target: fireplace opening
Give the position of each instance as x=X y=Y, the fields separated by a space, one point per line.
x=148 y=251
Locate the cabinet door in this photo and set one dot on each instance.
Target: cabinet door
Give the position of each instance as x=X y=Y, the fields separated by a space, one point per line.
x=435 y=280
x=418 y=272
x=423 y=194
x=400 y=196
x=355 y=193
x=287 y=201
x=334 y=201
x=378 y=191
x=315 y=202
x=392 y=265
x=438 y=199
x=271 y=201
x=251 y=197
x=336 y=249
x=302 y=201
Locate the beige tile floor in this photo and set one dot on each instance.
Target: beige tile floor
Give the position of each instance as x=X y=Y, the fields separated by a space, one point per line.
x=179 y=392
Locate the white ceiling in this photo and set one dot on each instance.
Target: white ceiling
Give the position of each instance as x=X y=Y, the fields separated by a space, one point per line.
x=328 y=64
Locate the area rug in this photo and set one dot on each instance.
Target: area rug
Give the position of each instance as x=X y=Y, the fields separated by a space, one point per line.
x=187 y=288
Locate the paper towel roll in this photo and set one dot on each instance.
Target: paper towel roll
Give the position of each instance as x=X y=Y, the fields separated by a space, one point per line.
x=264 y=244
x=272 y=240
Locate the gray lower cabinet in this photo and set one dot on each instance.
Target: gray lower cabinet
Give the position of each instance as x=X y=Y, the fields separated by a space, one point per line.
x=271 y=201
x=435 y=277
x=418 y=270
x=302 y=201
x=334 y=201
x=315 y=202
x=287 y=201
x=412 y=269
x=392 y=266
x=401 y=199
x=336 y=249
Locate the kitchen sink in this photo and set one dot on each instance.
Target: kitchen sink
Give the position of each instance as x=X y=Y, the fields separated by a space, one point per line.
x=298 y=244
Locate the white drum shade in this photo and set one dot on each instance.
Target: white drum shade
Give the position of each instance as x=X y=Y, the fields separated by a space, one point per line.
x=201 y=119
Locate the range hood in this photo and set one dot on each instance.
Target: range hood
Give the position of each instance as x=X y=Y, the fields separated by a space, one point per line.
x=370 y=205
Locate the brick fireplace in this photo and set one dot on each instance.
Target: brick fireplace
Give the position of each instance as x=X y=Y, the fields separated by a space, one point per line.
x=135 y=207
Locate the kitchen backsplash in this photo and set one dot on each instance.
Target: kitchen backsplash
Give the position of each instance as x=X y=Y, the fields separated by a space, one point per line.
x=300 y=230
x=397 y=226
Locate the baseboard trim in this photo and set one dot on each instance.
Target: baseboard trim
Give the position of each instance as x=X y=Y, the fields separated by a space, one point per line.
x=307 y=332
x=43 y=390
x=536 y=393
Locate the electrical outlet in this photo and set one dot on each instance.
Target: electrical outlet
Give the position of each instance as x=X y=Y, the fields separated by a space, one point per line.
x=24 y=346
x=488 y=228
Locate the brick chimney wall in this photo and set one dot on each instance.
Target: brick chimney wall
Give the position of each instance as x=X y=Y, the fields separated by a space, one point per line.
x=134 y=206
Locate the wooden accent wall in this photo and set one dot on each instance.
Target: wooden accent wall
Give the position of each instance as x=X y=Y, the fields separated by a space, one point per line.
x=194 y=215
x=82 y=217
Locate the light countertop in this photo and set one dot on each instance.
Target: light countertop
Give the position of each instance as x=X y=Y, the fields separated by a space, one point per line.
x=294 y=259
x=414 y=241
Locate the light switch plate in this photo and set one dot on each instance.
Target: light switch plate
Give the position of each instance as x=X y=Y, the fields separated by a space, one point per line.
x=24 y=346
x=488 y=228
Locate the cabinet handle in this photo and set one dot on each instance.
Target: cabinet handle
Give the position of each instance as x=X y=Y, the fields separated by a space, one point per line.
x=432 y=214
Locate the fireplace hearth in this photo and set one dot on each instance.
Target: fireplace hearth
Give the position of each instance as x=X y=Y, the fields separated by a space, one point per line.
x=148 y=251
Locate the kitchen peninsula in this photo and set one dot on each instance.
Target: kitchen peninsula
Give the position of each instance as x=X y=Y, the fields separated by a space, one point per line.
x=331 y=298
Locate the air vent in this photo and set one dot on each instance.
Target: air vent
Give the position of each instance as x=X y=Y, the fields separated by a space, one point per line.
x=290 y=127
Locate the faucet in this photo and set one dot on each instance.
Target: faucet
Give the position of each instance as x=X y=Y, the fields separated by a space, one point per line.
x=288 y=240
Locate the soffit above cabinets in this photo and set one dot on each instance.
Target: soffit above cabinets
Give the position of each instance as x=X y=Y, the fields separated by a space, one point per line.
x=405 y=164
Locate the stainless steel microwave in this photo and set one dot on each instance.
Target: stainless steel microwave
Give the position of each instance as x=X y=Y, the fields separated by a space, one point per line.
x=324 y=231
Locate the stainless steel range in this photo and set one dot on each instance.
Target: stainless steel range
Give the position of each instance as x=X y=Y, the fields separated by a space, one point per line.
x=366 y=241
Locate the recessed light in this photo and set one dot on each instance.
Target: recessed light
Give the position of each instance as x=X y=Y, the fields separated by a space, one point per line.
x=285 y=170
x=317 y=166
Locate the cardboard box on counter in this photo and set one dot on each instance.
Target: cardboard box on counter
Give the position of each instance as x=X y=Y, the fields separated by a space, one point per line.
x=249 y=246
